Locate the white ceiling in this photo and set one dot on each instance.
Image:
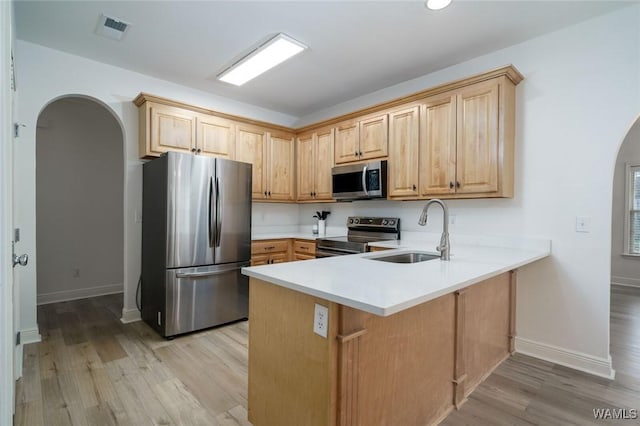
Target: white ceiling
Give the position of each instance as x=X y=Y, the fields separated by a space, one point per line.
x=355 y=47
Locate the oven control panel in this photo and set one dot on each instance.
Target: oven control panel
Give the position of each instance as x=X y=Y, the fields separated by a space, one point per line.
x=373 y=222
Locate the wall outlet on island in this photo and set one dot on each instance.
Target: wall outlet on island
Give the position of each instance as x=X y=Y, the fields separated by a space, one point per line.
x=321 y=320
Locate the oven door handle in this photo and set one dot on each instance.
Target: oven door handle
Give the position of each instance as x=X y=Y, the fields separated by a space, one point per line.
x=332 y=251
x=364 y=181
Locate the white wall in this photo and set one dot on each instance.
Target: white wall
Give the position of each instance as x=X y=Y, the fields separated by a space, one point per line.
x=625 y=270
x=79 y=201
x=45 y=75
x=580 y=95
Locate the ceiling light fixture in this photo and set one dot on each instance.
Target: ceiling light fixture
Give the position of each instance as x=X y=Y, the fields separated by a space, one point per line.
x=271 y=53
x=437 y=4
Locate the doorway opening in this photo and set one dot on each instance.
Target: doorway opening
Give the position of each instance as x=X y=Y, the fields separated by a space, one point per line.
x=79 y=201
x=625 y=259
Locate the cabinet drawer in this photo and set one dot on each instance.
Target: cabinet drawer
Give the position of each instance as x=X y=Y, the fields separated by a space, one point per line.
x=300 y=256
x=269 y=246
x=304 y=247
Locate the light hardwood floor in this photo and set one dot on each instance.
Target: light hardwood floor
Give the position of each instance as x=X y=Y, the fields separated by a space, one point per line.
x=92 y=370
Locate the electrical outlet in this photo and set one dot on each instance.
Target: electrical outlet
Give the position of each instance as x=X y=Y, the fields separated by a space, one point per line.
x=583 y=224
x=321 y=320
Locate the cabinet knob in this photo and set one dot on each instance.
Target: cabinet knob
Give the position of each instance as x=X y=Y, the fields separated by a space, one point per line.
x=457 y=184
x=355 y=153
x=269 y=193
x=199 y=151
x=450 y=185
x=311 y=194
x=265 y=193
x=314 y=194
x=414 y=187
x=360 y=153
x=193 y=150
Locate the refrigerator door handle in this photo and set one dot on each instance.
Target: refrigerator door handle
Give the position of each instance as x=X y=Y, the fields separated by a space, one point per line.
x=218 y=213
x=212 y=212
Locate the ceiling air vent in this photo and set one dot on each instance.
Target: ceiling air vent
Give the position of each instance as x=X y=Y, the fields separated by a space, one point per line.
x=110 y=27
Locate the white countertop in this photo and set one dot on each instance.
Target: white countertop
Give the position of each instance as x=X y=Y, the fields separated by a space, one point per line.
x=384 y=288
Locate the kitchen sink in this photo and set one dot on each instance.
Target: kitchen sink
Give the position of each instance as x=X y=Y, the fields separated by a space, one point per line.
x=409 y=257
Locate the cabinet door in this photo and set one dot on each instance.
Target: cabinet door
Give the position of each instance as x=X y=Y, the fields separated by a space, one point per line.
x=373 y=137
x=279 y=257
x=438 y=146
x=477 y=154
x=259 y=259
x=251 y=148
x=323 y=187
x=215 y=137
x=280 y=170
x=172 y=129
x=347 y=142
x=404 y=132
x=305 y=167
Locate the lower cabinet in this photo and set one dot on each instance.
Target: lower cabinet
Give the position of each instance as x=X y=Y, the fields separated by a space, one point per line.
x=304 y=249
x=266 y=252
x=410 y=368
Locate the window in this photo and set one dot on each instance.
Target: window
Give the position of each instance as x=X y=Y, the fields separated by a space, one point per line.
x=633 y=209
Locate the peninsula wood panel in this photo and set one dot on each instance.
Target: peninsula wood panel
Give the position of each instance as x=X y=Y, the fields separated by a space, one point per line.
x=215 y=136
x=404 y=134
x=251 y=147
x=404 y=364
x=477 y=136
x=438 y=146
x=280 y=181
x=291 y=369
x=487 y=328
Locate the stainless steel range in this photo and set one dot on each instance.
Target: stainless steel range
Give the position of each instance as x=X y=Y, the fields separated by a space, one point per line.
x=361 y=232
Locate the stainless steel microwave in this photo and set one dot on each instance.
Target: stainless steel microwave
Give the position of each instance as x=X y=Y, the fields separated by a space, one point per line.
x=360 y=181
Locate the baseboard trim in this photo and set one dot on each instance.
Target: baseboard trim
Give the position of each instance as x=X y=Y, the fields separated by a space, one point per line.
x=30 y=335
x=81 y=293
x=130 y=315
x=625 y=281
x=578 y=361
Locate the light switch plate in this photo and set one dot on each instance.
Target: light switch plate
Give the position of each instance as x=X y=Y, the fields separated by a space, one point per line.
x=583 y=224
x=321 y=320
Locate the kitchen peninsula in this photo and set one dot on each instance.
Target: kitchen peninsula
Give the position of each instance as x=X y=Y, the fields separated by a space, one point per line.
x=406 y=343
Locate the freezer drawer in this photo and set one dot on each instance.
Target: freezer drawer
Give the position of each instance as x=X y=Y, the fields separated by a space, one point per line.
x=205 y=296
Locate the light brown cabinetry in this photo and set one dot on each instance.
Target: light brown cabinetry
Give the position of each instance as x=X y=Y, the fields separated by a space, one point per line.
x=271 y=155
x=378 y=248
x=215 y=136
x=304 y=249
x=364 y=139
x=165 y=128
x=314 y=163
x=170 y=128
x=439 y=350
x=404 y=133
x=467 y=146
x=266 y=252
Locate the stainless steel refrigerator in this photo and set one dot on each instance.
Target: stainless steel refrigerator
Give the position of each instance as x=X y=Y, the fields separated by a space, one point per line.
x=196 y=235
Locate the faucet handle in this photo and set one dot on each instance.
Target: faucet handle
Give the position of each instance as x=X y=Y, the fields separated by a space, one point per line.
x=438 y=248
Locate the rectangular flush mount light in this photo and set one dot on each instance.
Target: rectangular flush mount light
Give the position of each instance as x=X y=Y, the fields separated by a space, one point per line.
x=275 y=51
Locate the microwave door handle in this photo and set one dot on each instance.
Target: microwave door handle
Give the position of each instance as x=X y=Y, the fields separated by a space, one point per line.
x=364 y=181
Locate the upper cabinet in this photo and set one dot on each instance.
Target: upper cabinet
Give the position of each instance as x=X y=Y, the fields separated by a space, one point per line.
x=466 y=150
x=403 y=171
x=166 y=128
x=271 y=155
x=315 y=160
x=455 y=140
x=215 y=136
x=362 y=139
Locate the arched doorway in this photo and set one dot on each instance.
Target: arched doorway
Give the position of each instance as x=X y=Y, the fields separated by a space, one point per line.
x=625 y=260
x=79 y=200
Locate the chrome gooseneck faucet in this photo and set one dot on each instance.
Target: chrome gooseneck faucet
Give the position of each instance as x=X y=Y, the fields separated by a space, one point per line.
x=444 y=246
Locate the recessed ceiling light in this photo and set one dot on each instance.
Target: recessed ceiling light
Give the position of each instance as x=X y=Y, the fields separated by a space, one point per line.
x=275 y=51
x=437 y=4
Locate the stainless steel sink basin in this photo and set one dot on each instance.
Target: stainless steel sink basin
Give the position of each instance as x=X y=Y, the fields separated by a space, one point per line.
x=409 y=257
